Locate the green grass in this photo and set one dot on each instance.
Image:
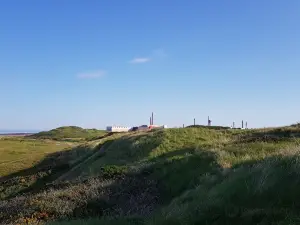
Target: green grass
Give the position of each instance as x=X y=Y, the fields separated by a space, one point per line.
x=264 y=193
x=176 y=176
x=142 y=148
x=70 y=133
x=18 y=153
x=80 y=169
x=27 y=165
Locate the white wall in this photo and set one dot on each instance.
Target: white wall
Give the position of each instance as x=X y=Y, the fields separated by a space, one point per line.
x=117 y=129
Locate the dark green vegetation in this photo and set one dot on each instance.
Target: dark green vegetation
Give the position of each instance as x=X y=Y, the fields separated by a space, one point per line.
x=70 y=133
x=209 y=127
x=172 y=176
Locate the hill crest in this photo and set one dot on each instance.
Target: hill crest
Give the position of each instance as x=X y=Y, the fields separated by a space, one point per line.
x=69 y=132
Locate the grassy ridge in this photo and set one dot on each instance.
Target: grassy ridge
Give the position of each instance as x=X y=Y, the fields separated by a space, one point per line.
x=17 y=153
x=27 y=165
x=69 y=133
x=208 y=177
x=176 y=176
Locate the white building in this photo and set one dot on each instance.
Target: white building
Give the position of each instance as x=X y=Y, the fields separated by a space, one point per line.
x=118 y=129
x=157 y=127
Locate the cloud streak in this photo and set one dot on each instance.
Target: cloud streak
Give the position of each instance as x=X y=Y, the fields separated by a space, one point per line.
x=139 y=60
x=156 y=54
x=92 y=74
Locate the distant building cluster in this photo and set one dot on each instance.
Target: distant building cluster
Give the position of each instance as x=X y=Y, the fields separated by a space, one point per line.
x=135 y=128
x=117 y=129
x=242 y=127
x=152 y=126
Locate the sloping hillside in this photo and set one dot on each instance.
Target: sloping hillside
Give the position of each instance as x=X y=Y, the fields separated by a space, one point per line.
x=69 y=132
x=175 y=176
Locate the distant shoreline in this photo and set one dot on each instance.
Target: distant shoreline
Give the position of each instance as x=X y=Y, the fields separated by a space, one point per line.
x=16 y=134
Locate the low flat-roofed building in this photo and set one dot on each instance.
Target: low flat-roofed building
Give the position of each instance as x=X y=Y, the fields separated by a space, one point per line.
x=117 y=129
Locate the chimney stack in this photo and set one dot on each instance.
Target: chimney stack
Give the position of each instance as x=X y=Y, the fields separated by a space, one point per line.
x=208 y=121
x=152 y=119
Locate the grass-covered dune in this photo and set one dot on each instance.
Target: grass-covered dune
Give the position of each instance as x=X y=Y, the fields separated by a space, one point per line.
x=173 y=176
x=17 y=154
x=69 y=133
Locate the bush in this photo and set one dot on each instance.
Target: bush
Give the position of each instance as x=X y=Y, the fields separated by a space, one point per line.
x=113 y=171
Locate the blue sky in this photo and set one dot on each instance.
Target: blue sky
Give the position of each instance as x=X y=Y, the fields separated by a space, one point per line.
x=97 y=63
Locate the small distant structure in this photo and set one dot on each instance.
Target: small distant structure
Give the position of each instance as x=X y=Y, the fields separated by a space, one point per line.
x=152 y=119
x=208 y=122
x=152 y=126
x=136 y=128
x=118 y=129
x=157 y=127
x=143 y=128
x=242 y=127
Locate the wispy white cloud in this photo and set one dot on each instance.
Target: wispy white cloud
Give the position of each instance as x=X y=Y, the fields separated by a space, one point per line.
x=91 y=74
x=140 y=60
x=156 y=54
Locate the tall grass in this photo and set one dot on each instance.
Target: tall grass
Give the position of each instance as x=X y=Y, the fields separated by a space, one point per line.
x=70 y=133
x=17 y=153
x=179 y=176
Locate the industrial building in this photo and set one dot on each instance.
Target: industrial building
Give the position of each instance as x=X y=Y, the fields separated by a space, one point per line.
x=128 y=129
x=157 y=127
x=118 y=129
x=138 y=128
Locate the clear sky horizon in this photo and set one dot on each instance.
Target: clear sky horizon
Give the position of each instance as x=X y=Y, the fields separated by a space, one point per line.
x=99 y=63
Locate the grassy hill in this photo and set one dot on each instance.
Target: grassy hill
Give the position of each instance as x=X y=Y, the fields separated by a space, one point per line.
x=69 y=133
x=172 y=176
x=17 y=153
